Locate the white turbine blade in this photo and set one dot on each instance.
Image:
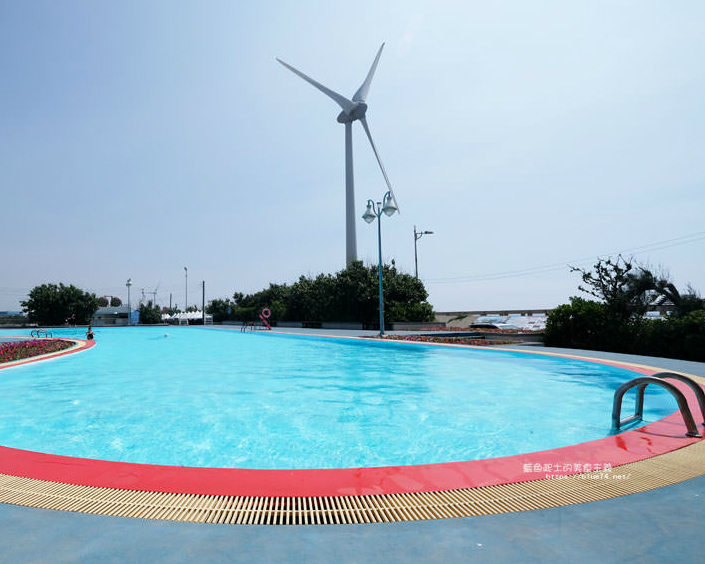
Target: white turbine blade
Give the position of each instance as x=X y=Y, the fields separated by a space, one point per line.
x=342 y=101
x=384 y=173
x=361 y=94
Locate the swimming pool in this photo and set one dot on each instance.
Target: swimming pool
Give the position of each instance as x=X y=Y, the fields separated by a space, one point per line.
x=220 y=398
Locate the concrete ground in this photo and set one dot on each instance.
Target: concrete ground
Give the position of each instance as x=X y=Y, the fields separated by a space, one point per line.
x=659 y=526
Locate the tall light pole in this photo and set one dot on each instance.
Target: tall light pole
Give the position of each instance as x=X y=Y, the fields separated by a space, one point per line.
x=129 y=307
x=186 y=282
x=417 y=236
x=369 y=216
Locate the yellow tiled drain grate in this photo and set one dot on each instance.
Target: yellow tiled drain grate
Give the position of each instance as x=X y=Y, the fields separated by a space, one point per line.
x=656 y=472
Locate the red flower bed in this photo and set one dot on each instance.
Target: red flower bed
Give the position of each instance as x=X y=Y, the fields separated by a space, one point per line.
x=478 y=329
x=25 y=349
x=449 y=340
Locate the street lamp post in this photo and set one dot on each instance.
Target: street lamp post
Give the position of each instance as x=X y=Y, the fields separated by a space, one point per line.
x=417 y=236
x=369 y=216
x=129 y=307
x=186 y=285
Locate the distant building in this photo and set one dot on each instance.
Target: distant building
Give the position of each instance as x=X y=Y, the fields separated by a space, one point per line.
x=110 y=316
x=661 y=304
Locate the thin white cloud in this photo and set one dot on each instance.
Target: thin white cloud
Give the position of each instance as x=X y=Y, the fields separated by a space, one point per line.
x=408 y=37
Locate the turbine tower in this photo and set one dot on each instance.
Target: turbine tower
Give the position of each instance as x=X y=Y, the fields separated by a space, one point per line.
x=353 y=110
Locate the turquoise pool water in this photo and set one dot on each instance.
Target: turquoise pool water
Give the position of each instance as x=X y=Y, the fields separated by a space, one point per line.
x=192 y=396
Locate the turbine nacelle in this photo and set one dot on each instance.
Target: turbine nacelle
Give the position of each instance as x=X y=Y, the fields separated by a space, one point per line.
x=358 y=111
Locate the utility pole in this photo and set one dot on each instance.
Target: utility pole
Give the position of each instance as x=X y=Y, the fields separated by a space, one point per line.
x=203 y=302
x=417 y=236
x=129 y=307
x=186 y=296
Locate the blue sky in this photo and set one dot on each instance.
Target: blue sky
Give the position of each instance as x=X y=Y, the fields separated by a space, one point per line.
x=137 y=138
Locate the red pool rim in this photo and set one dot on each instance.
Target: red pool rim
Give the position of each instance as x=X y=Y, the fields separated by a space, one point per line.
x=605 y=454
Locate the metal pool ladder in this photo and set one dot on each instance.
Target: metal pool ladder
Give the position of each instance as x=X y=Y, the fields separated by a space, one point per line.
x=658 y=380
x=37 y=333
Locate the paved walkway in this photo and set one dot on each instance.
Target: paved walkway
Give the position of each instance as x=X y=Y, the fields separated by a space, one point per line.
x=660 y=526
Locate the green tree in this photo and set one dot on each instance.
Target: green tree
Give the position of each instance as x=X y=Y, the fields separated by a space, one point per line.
x=621 y=286
x=684 y=303
x=51 y=304
x=579 y=324
x=617 y=323
x=628 y=289
x=221 y=310
x=150 y=314
x=247 y=307
x=405 y=297
x=115 y=301
x=356 y=293
x=350 y=295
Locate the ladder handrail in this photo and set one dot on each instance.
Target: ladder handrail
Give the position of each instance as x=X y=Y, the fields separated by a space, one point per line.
x=699 y=393
x=642 y=382
x=39 y=332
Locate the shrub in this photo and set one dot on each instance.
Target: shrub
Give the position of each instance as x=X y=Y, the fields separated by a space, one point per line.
x=150 y=314
x=579 y=324
x=585 y=324
x=402 y=311
x=219 y=309
x=676 y=337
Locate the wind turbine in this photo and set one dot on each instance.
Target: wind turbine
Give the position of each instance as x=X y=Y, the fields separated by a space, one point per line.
x=353 y=110
x=153 y=292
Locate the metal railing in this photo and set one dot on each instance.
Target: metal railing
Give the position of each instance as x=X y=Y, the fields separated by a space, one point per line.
x=658 y=380
x=40 y=333
x=252 y=326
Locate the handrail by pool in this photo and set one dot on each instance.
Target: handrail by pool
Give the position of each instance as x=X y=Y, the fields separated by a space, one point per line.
x=37 y=333
x=252 y=325
x=699 y=393
x=641 y=383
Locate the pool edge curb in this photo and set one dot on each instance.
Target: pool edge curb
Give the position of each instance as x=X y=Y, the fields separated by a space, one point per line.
x=659 y=471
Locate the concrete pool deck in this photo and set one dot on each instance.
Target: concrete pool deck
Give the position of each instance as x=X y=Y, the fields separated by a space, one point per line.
x=635 y=526
x=660 y=526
